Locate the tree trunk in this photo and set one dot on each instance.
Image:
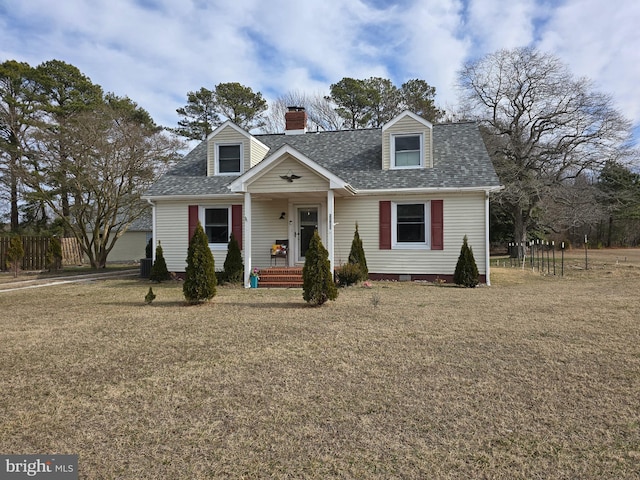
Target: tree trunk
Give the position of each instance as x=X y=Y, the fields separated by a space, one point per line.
x=15 y=219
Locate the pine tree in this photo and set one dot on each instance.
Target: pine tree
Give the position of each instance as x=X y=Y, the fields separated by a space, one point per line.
x=54 y=255
x=15 y=254
x=233 y=266
x=159 y=270
x=318 y=285
x=200 y=276
x=357 y=257
x=466 y=273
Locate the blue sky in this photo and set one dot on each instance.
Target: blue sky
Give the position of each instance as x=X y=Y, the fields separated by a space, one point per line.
x=155 y=51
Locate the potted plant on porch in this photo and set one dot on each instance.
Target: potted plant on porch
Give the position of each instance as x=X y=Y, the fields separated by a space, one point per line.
x=254 y=277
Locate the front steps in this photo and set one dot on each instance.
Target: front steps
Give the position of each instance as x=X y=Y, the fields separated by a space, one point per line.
x=280 y=277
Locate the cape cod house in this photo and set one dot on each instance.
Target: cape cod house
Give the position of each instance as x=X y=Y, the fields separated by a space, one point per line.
x=414 y=189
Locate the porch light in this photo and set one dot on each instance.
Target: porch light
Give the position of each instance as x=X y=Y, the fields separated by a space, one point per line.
x=282 y=215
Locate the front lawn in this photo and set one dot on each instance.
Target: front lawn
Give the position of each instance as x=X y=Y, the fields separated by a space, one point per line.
x=534 y=377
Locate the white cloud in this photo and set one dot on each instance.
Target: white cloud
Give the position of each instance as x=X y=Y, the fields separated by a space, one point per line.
x=601 y=43
x=155 y=51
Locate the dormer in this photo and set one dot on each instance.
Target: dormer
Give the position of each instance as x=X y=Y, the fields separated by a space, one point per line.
x=231 y=151
x=407 y=143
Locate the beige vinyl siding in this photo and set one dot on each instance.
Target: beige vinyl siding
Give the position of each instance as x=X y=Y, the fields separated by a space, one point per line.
x=271 y=181
x=131 y=246
x=172 y=230
x=406 y=125
x=258 y=152
x=463 y=215
x=227 y=136
x=267 y=228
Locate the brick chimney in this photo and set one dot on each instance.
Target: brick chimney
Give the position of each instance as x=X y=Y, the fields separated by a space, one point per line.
x=295 y=121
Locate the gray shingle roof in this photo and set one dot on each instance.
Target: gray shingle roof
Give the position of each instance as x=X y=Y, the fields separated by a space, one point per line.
x=460 y=161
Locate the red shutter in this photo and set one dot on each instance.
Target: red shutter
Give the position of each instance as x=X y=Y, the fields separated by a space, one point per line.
x=385 y=225
x=437 y=225
x=193 y=220
x=236 y=223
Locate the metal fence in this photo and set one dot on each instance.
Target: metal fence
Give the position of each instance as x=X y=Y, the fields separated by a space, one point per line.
x=541 y=255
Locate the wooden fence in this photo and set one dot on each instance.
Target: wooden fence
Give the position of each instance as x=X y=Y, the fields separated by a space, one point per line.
x=35 y=252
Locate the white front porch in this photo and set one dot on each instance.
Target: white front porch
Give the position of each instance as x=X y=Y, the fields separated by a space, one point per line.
x=269 y=219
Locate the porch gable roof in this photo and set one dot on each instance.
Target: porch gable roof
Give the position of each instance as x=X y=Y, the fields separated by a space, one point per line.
x=240 y=184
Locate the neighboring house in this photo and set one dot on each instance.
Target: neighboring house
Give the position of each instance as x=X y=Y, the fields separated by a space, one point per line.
x=414 y=189
x=130 y=247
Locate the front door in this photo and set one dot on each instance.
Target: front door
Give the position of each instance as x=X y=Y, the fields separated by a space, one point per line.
x=307 y=224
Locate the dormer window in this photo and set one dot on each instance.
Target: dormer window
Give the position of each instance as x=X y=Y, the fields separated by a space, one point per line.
x=407 y=151
x=228 y=159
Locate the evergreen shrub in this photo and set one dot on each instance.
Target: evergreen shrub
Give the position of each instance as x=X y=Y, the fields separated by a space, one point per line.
x=54 y=255
x=348 y=274
x=317 y=281
x=15 y=254
x=233 y=265
x=466 y=273
x=200 y=275
x=159 y=270
x=357 y=256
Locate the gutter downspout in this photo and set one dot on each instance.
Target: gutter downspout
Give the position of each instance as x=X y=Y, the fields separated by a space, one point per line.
x=153 y=228
x=486 y=240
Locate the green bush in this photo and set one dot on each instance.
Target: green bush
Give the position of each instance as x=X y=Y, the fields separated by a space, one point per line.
x=150 y=296
x=317 y=281
x=357 y=257
x=159 y=270
x=148 y=250
x=233 y=266
x=348 y=274
x=200 y=276
x=466 y=273
x=54 y=255
x=15 y=254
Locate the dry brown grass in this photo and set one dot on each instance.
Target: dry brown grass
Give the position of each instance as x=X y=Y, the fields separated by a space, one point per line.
x=535 y=377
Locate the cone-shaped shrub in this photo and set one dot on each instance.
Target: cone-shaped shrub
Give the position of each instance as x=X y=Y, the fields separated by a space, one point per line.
x=233 y=266
x=356 y=256
x=15 y=254
x=150 y=296
x=159 y=270
x=317 y=281
x=54 y=255
x=200 y=276
x=466 y=273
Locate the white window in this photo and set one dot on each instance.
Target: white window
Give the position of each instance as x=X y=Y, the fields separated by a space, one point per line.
x=228 y=159
x=410 y=225
x=407 y=151
x=217 y=225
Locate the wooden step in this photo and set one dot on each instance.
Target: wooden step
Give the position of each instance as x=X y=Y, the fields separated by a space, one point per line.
x=280 y=277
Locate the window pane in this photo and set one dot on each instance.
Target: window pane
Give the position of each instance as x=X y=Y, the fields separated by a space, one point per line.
x=407 y=143
x=216 y=225
x=410 y=223
x=407 y=159
x=229 y=158
x=407 y=151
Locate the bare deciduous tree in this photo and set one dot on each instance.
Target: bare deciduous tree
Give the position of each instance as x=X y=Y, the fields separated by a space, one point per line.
x=112 y=155
x=543 y=126
x=321 y=112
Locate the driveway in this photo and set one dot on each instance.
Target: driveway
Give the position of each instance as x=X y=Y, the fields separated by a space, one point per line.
x=53 y=281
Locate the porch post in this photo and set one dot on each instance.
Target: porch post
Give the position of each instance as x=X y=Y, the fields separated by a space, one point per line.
x=330 y=224
x=247 y=239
